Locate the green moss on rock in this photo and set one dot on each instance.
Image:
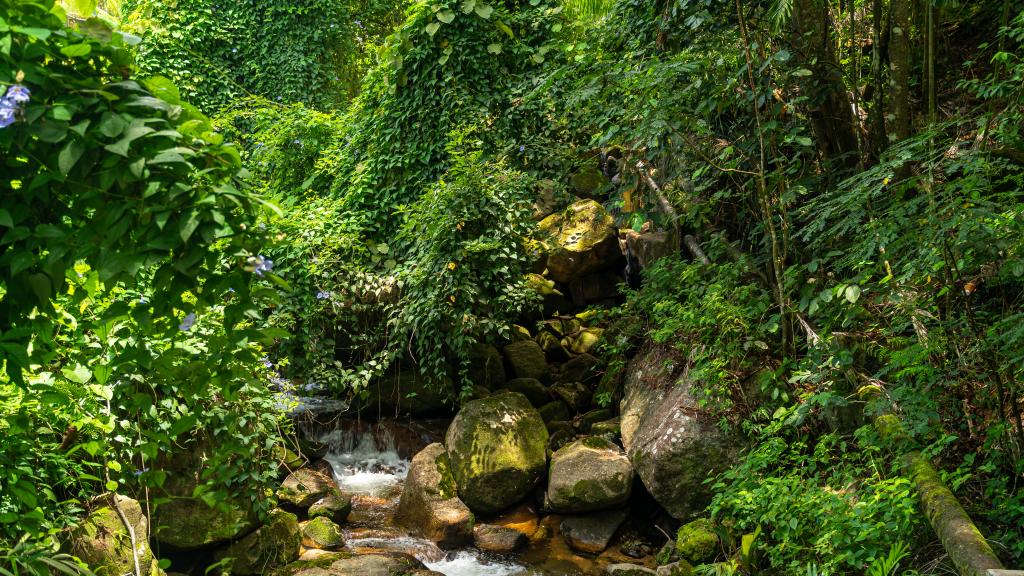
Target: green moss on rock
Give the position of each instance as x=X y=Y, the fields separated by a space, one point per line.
x=697 y=541
x=322 y=533
x=273 y=545
x=103 y=542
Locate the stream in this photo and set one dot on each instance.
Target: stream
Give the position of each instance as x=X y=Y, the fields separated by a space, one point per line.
x=370 y=462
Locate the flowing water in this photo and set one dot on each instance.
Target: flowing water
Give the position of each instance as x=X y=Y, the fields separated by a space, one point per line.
x=371 y=462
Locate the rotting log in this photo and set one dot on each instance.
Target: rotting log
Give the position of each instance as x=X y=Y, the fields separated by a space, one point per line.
x=964 y=543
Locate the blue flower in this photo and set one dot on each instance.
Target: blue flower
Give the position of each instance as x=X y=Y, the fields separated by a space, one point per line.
x=521 y=148
x=188 y=322
x=6 y=115
x=143 y=300
x=18 y=94
x=259 y=265
x=323 y=295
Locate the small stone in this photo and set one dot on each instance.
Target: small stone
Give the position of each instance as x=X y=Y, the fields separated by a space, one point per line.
x=335 y=506
x=591 y=534
x=322 y=533
x=491 y=538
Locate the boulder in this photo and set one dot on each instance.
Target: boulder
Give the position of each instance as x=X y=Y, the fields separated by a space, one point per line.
x=322 y=533
x=287 y=460
x=646 y=247
x=104 y=543
x=496 y=446
x=430 y=505
x=673 y=443
x=587 y=421
x=582 y=240
x=585 y=341
x=574 y=394
x=272 y=545
x=628 y=570
x=485 y=367
x=186 y=523
x=525 y=359
x=499 y=539
x=406 y=393
x=305 y=487
x=590 y=182
x=587 y=475
x=346 y=564
x=335 y=506
x=583 y=368
x=697 y=541
x=560 y=438
x=552 y=347
x=534 y=391
x=607 y=428
x=554 y=411
x=591 y=534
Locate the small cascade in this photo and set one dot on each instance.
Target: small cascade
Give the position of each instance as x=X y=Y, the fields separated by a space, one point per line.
x=473 y=563
x=365 y=462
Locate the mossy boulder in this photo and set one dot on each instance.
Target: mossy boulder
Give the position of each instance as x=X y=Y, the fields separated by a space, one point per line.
x=485 y=367
x=680 y=568
x=552 y=347
x=104 y=543
x=273 y=545
x=582 y=239
x=607 y=428
x=430 y=505
x=583 y=368
x=335 y=506
x=525 y=359
x=585 y=341
x=532 y=388
x=496 y=447
x=574 y=394
x=287 y=459
x=697 y=541
x=590 y=182
x=587 y=475
x=628 y=570
x=321 y=532
x=305 y=486
x=554 y=411
x=394 y=564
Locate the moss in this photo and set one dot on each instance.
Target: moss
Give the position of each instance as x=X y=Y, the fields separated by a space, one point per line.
x=597 y=443
x=321 y=533
x=697 y=541
x=680 y=568
x=300 y=565
x=446 y=488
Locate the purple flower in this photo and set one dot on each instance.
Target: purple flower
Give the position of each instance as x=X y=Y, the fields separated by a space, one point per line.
x=522 y=148
x=18 y=94
x=141 y=472
x=6 y=115
x=259 y=265
x=323 y=295
x=188 y=322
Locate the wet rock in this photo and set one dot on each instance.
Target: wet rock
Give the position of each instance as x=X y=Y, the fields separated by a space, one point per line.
x=583 y=240
x=305 y=487
x=272 y=545
x=628 y=570
x=635 y=547
x=496 y=446
x=591 y=534
x=334 y=506
x=312 y=449
x=583 y=368
x=103 y=542
x=673 y=443
x=485 y=367
x=366 y=565
x=491 y=538
x=318 y=555
x=697 y=541
x=587 y=475
x=574 y=394
x=680 y=568
x=525 y=359
x=430 y=505
x=554 y=411
x=322 y=533
x=534 y=391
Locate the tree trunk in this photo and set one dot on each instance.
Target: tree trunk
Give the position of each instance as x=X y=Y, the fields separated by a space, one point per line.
x=899 y=58
x=878 y=137
x=831 y=116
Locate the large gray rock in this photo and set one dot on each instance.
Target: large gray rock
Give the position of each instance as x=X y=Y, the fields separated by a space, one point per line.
x=306 y=487
x=430 y=505
x=104 y=543
x=582 y=240
x=673 y=443
x=496 y=447
x=587 y=475
x=276 y=543
x=591 y=534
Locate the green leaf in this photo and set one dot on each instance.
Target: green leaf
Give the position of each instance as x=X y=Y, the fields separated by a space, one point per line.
x=446 y=16
x=79 y=374
x=83 y=7
x=69 y=156
x=5 y=218
x=468 y=6
x=494 y=48
x=111 y=485
x=433 y=27
x=484 y=11
x=76 y=50
x=852 y=293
